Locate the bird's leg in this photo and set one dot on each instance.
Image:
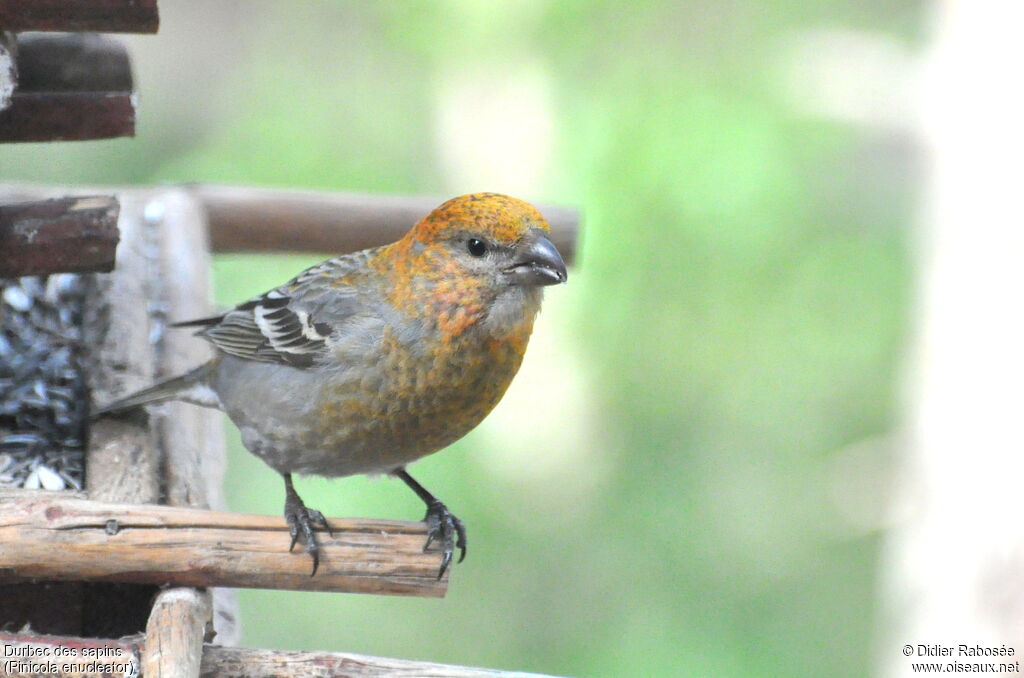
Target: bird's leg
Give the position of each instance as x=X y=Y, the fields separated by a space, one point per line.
x=441 y=523
x=302 y=520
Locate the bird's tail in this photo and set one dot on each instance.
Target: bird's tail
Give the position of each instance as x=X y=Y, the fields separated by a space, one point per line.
x=191 y=387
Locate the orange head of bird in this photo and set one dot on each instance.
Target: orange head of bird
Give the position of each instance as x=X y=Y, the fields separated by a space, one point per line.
x=485 y=239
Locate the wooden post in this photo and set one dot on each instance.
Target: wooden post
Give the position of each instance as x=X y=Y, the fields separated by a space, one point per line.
x=175 y=634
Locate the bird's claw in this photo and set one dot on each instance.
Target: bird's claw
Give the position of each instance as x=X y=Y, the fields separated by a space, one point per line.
x=301 y=522
x=445 y=527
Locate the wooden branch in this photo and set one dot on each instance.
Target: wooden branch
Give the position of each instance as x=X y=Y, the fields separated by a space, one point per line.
x=62 y=235
x=278 y=220
x=175 y=633
x=74 y=539
x=102 y=16
x=70 y=87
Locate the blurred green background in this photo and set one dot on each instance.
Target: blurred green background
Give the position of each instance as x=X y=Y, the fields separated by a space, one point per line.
x=684 y=478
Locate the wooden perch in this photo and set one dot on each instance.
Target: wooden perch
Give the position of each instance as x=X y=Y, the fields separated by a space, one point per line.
x=62 y=235
x=103 y=16
x=66 y=539
x=278 y=220
x=70 y=87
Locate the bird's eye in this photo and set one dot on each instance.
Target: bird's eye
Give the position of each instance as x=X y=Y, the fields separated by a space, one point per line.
x=477 y=248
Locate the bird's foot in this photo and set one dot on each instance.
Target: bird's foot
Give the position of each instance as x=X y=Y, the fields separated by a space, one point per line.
x=301 y=522
x=448 y=530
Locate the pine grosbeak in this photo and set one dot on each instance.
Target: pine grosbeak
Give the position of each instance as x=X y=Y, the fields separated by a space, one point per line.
x=371 y=360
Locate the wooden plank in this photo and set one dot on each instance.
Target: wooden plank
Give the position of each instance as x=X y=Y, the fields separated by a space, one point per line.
x=279 y=220
x=63 y=539
x=123 y=455
x=67 y=116
x=102 y=16
x=192 y=437
x=71 y=235
x=175 y=633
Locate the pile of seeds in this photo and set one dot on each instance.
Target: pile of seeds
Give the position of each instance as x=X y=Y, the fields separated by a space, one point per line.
x=42 y=385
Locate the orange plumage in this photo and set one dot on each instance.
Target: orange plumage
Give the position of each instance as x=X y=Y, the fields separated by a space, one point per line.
x=371 y=360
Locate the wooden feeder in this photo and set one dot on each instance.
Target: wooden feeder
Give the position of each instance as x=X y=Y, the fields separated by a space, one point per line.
x=142 y=560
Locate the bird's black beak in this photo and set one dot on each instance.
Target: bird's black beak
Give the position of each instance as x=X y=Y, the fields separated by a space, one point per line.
x=537 y=262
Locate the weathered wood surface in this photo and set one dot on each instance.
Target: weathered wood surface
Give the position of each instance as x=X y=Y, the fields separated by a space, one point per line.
x=191 y=438
x=103 y=16
x=123 y=457
x=72 y=235
x=73 y=539
x=280 y=220
x=175 y=632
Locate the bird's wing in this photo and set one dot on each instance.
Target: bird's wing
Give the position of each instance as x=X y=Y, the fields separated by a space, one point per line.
x=291 y=324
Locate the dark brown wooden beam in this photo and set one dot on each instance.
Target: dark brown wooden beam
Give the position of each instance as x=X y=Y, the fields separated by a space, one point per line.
x=62 y=235
x=280 y=220
x=102 y=16
x=67 y=116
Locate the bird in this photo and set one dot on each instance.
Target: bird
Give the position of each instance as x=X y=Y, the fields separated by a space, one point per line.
x=369 y=361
